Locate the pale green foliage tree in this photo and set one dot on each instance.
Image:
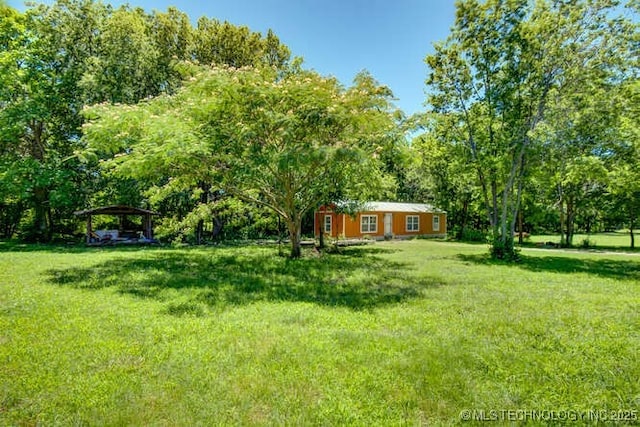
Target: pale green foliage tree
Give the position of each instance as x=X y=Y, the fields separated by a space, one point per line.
x=282 y=141
x=12 y=202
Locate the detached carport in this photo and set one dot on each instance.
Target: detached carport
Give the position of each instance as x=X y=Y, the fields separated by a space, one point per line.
x=143 y=234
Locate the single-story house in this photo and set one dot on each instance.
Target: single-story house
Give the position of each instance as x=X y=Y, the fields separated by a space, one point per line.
x=380 y=220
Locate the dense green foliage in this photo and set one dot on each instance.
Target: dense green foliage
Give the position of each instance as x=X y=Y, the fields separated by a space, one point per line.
x=531 y=123
x=395 y=333
x=531 y=93
x=56 y=59
x=287 y=142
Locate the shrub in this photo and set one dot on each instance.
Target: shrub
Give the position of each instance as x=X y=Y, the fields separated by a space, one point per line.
x=587 y=243
x=473 y=235
x=505 y=251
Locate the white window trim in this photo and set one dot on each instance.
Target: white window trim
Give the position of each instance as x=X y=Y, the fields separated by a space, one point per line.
x=436 y=222
x=330 y=224
x=407 y=223
x=375 y=230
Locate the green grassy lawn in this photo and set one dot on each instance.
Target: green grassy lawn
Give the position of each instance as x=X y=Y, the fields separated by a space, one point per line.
x=392 y=333
x=610 y=240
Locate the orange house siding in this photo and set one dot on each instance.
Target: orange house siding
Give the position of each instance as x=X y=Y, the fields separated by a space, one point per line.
x=343 y=225
x=337 y=222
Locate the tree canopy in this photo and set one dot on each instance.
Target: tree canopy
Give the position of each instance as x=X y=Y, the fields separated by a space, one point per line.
x=503 y=72
x=531 y=123
x=285 y=141
x=54 y=59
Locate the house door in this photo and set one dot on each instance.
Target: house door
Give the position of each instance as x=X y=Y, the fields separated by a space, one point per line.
x=388 y=221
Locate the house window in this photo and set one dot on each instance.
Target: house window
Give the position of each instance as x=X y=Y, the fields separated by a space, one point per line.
x=436 y=223
x=327 y=223
x=369 y=224
x=413 y=223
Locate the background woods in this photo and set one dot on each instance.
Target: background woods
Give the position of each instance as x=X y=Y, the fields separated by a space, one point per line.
x=531 y=124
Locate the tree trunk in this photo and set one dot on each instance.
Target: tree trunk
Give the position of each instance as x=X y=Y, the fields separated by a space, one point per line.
x=505 y=235
x=494 y=201
x=562 y=241
x=199 y=232
x=295 y=237
x=218 y=225
x=521 y=231
x=570 y=220
x=465 y=215
x=517 y=209
x=295 y=226
x=633 y=240
x=321 y=238
x=510 y=207
x=41 y=220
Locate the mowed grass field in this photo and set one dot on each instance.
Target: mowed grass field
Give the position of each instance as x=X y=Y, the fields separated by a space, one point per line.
x=394 y=333
x=610 y=240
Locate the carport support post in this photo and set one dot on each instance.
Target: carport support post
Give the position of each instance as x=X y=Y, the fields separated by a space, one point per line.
x=147 y=226
x=89 y=230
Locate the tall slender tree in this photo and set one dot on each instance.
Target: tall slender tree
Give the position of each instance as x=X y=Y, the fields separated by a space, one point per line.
x=498 y=71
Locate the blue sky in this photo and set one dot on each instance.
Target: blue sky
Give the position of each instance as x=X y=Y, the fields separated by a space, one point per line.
x=389 y=38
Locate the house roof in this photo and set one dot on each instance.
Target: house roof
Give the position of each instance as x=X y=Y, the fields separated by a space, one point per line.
x=115 y=210
x=399 y=207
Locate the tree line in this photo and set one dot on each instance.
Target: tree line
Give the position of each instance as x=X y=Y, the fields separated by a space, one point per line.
x=532 y=124
x=57 y=59
x=534 y=120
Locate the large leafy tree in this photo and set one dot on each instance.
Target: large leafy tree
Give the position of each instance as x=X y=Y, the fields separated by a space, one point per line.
x=11 y=38
x=218 y=43
x=625 y=188
x=285 y=141
x=40 y=63
x=443 y=173
x=497 y=73
x=624 y=175
x=575 y=140
x=56 y=58
x=124 y=65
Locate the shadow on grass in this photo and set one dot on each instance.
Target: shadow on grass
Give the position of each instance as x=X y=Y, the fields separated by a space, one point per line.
x=595 y=249
x=357 y=278
x=80 y=247
x=606 y=267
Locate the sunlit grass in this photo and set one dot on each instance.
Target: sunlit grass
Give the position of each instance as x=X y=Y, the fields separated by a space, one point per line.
x=609 y=240
x=394 y=333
